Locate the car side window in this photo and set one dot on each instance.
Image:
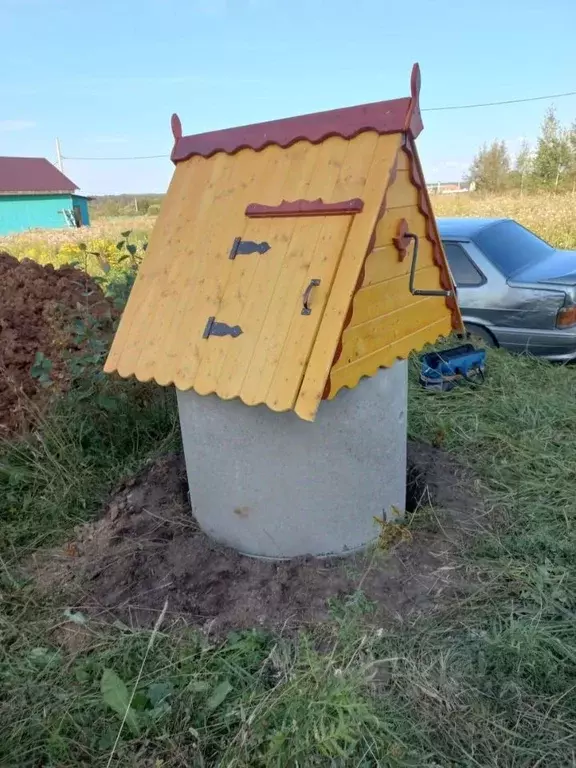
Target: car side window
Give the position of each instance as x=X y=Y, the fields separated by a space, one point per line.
x=464 y=271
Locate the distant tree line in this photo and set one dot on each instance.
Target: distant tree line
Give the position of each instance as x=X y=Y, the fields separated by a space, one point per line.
x=551 y=165
x=125 y=205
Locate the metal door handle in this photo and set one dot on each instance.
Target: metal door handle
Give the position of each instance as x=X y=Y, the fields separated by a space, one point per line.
x=306 y=296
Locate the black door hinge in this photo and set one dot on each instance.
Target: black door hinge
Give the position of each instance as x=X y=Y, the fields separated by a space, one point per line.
x=242 y=247
x=214 y=328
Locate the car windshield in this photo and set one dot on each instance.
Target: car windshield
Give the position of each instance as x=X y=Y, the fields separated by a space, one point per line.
x=511 y=247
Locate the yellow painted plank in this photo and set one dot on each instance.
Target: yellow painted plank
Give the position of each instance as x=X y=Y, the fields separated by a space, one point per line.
x=346 y=278
x=281 y=344
x=402 y=192
x=303 y=328
x=185 y=345
x=251 y=287
x=166 y=259
x=349 y=375
x=133 y=333
x=234 y=277
x=182 y=250
x=384 y=263
x=151 y=264
x=252 y=171
x=363 y=340
x=283 y=305
x=346 y=180
x=381 y=298
x=434 y=233
x=246 y=375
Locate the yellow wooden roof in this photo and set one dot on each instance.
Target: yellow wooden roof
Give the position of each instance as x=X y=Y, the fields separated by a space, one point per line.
x=187 y=275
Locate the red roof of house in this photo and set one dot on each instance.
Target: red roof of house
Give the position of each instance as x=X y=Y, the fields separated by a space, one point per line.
x=396 y=116
x=32 y=174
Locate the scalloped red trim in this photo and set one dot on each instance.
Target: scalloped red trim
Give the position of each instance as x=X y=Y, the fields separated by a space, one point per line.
x=394 y=116
x=305 y=208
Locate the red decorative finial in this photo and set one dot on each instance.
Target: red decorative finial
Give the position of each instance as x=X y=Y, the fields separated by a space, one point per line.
x=413 y=124
x=415 y=81
x=176 y=127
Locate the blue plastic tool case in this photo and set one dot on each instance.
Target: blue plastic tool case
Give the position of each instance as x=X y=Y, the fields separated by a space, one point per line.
x=446 y=369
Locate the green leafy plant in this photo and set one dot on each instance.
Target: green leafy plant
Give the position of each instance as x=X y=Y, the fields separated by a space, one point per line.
x=115 y=695
x=132 y=254
x=41 y=369
x=119 y=287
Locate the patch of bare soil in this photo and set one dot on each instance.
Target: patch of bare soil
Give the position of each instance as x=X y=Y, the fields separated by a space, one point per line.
x=38 y=305
x=147 y=549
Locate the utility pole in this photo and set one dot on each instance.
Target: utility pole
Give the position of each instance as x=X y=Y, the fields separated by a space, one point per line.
x=59 y=156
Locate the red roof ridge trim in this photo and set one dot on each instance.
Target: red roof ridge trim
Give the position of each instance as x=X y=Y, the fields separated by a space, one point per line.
x=383 y=117
x=305 y=208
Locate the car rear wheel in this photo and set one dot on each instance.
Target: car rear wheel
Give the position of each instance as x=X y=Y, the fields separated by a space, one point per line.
x=479 y=335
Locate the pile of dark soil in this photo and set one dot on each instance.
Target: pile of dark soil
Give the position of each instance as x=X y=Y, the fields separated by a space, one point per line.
x=38 y=305
x=147 y=549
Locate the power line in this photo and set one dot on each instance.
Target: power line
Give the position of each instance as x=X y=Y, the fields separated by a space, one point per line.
x=499 y=103
x=425 y=109
x=140 y=157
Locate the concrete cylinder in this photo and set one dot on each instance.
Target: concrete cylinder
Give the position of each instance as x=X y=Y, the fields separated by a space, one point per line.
x=271 y=485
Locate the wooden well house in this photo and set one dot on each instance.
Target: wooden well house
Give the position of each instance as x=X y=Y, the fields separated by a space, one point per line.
x=290 y=260
x=279 y=268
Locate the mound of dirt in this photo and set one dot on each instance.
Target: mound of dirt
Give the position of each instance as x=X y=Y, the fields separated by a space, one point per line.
x=147 y=549
x=38 y=305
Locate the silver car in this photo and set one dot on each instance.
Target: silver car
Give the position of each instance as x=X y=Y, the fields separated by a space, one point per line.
x=514 y=289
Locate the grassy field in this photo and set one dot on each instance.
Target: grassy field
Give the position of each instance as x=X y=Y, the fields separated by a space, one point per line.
x=488 y=683
x=62 y=246
x=550 y=216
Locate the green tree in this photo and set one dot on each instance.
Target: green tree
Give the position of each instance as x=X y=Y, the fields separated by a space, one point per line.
x=552 y=161
x=572 y=149
x=490 y=169
x=524 y=159
x=523 y=167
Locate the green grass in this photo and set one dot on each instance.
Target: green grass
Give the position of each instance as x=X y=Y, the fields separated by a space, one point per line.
x=490 y=682
x=548 y=214
x=90 y=439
